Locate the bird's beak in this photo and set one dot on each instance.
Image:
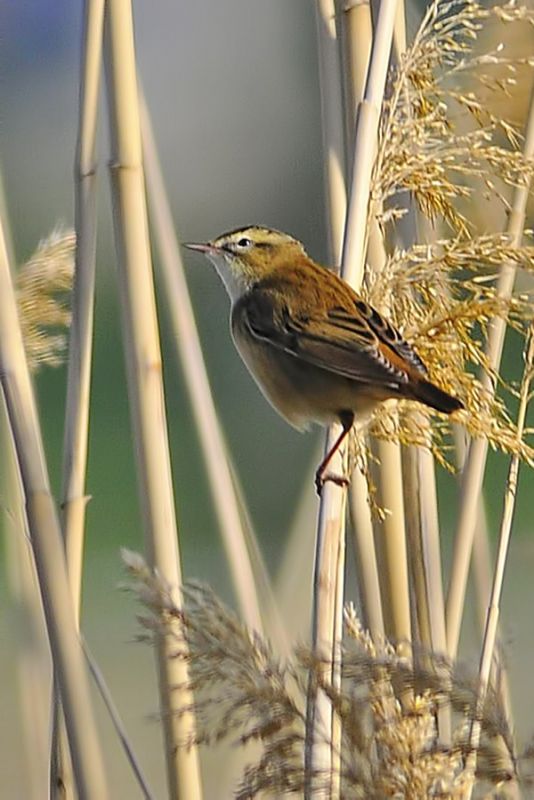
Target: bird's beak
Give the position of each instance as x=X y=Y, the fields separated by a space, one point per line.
x=206 y=248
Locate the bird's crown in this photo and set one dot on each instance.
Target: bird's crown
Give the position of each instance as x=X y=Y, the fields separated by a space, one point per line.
x=253 y=240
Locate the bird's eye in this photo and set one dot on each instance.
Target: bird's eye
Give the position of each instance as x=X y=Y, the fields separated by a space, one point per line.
x=244 y=243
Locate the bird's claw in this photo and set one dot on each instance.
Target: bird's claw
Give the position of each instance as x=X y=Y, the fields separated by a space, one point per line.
x=321 y=479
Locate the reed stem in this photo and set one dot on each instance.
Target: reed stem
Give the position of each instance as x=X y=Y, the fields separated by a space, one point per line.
x=493 y=611
x=30 y=648
x=47 y=542
x=321 y=733
x=74 y=500
x=187 y=342
x=390 y=535
x=356 y=48
x=475 y=464
x=367 y=566
x=118 y=724
x=368 y=117
x=332 y=123
x=145 y=384
x=322 y=730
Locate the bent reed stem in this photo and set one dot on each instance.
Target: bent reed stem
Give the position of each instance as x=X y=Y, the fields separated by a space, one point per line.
x=48 y=549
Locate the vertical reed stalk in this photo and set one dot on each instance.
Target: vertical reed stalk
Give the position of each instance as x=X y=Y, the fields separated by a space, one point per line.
x=429 y=525
x=391 y=536
x=330 y=534
x=322 y=730
x=327 y=620
x=196 y=378
x=422 y=524
x=482 y=578
x=433 y=573
x=401 y=528
x=390 y=533
x=395 y=585
x=73 y=496
x=368 y=575
x=414 y=547
x=355 y=240
x=45 y=533
x=145 y=384
x=473 y=474
x=332 y=123
x=418 y=483
x=424 y=556
x=357 y=38
x=74 y=500
x=296 y=565
x=492 y=616
x=431 y=552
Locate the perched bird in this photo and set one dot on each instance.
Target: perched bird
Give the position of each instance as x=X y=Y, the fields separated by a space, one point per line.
x=316 y=349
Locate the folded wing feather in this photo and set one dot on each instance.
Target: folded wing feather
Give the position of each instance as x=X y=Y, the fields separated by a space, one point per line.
x=360 y=346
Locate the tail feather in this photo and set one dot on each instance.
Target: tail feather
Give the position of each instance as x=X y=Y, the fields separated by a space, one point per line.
x=431 y=395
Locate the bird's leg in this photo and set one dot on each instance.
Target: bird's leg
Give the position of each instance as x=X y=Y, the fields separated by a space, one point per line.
x=347 y=419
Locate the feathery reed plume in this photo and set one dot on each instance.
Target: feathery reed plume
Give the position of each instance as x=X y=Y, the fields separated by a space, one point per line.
x=41 y=285
x=441 y=146
x=434 y=133
x=244 y=692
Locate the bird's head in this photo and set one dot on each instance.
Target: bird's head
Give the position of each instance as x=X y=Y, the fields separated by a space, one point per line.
x=245 y=256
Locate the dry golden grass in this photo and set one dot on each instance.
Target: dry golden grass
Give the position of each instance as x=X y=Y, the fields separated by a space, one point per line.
x=244 y=692
x=427 y=146
x=443 y=147
x=445 y=297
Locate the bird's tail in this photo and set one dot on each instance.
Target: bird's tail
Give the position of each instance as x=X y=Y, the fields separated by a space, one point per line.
x=431 y=395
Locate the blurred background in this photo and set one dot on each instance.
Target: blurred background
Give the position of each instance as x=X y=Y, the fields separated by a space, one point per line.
x=233 y=92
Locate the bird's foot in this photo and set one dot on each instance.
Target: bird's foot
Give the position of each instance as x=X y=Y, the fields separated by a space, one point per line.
x=322 y=477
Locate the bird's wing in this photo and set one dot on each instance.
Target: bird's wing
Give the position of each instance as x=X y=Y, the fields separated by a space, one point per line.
x=387 y=335
x=351 y=340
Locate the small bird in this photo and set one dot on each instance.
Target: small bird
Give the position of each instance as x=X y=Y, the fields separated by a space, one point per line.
x=316 y=349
